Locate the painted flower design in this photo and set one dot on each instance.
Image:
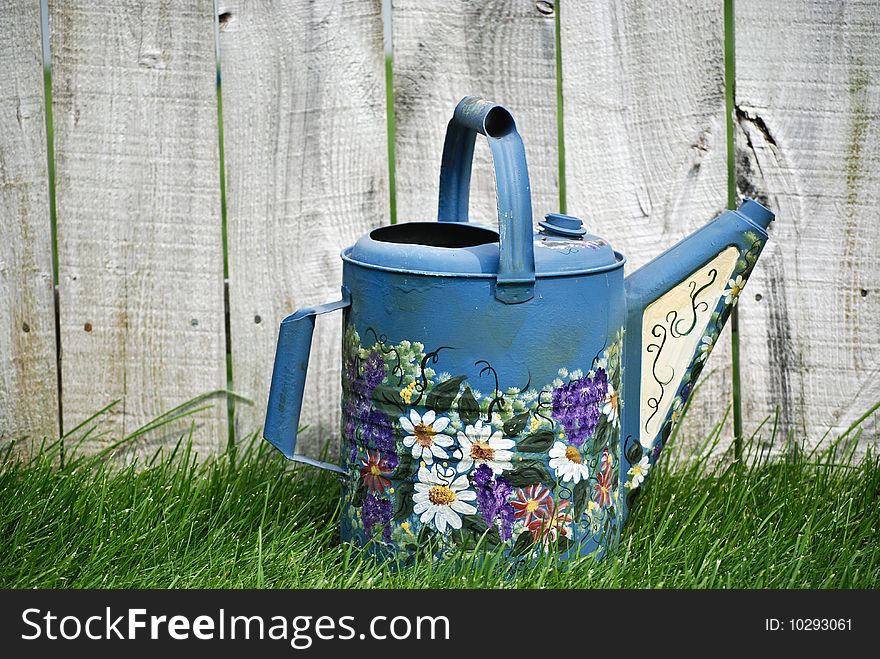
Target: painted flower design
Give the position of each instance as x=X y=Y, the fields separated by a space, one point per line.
x=706 y=345
x=611 y=409
x=479 y=445
x=407 y=392
x=638 y=472
x=568 y=463
x=734 y=288
x=424 y=435
x=606 y=464
x=602 y=487
x=577 y=405
x=532 y=502
x=377 y=514
x=442 y=499
x=492 y=499
x=547 y=529
x=376 y=471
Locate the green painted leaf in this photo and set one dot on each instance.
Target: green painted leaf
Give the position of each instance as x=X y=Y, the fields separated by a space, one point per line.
x=634 y=453
x=403 y=505
x=523 y=545
x=407 y=467
x=441 y=397
x=528 y=472
x=387 y=399
x=476 y=527
x=468 y=409
x=359 y=495
x=632 y=496
x=563 y=544
x=537 y=442
x=514 y=426
x=474 y=523
x=581 y=497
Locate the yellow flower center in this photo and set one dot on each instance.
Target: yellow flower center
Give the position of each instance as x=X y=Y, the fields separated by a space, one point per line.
x=440 y=495
x=482 y=451
x=424 y=435
x=614 y=400
x=532 y=505
x=573 y=455
x=374 y=470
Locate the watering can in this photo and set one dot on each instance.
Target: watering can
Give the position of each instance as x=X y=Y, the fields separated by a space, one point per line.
x=508 y=390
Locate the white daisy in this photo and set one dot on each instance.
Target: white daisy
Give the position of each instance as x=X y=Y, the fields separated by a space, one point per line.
x=479 y=445
x=425 y=438
x=611 y=409
x=735 y=286
x=568 y=463
x=440 y=498
x=638 y=472
x=706 y=345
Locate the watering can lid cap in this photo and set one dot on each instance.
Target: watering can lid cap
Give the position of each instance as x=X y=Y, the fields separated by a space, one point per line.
x=562 y=246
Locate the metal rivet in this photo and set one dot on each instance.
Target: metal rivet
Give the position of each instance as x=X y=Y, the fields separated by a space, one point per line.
x=87 y=327
x=25 y=327
x=194 y=322
x=257 y=319
x=758 y=297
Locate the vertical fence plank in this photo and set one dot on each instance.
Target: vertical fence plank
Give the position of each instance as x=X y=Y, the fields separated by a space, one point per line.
x=28 y=376
x=645 y=138
x=140 y=252
x=808 y=142
x=307 y=174
x=444 y=50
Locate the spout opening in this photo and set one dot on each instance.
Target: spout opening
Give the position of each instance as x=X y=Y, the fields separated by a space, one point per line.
x=498 y=122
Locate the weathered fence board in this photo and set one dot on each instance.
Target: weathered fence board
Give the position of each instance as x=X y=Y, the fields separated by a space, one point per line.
x=808 y=141
x=307 y=174
x=645 y=138
x=28 y=375
x=140 y=251
x=503 y=51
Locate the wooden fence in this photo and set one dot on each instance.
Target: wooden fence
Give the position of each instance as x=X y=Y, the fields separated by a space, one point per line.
x=147 y=305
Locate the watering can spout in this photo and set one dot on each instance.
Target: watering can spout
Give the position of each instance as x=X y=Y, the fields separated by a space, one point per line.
x=677 y=306
x=756 y=213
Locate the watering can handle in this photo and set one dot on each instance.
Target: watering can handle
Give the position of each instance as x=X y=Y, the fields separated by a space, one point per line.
x=516 y=265
x=289 y=380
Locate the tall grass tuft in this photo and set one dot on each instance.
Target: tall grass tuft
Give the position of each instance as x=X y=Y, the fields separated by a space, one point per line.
x=803 y=520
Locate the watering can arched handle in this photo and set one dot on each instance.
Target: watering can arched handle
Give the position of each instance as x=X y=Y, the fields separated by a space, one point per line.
x=516 y=265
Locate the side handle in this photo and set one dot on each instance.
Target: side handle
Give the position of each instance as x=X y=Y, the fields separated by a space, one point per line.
x=289 y=379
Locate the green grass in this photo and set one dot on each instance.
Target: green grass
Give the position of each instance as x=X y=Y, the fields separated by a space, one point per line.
x=808 y=521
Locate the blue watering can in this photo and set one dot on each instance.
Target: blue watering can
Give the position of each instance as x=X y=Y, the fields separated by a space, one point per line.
x=508 y=389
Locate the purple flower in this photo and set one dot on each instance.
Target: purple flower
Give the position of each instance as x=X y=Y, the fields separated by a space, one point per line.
x=492 y=495
x=377 y=511
x=374 y=370
x=377 y=431
x=577 y=405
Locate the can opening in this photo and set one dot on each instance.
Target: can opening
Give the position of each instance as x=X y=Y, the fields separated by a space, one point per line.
x=435 y=234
